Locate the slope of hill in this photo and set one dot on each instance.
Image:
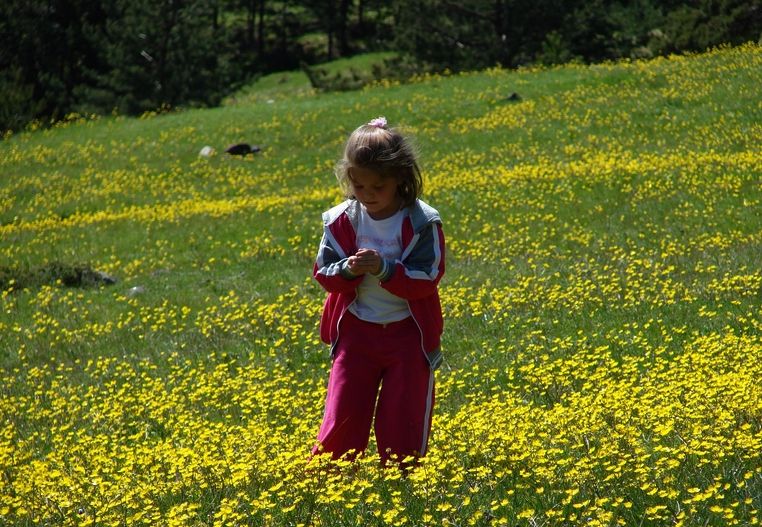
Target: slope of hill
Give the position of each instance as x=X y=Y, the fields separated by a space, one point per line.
x=603 y=328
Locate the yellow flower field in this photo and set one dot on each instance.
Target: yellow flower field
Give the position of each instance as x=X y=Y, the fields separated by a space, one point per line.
x=603 y=306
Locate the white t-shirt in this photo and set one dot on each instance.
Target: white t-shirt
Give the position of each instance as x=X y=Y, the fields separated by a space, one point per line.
x=374 y=303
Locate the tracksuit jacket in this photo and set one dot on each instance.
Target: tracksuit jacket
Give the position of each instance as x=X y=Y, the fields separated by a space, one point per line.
x=414 y=277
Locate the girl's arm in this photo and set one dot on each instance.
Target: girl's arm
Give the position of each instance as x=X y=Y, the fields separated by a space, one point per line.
x=418 y=275
x=330 y=269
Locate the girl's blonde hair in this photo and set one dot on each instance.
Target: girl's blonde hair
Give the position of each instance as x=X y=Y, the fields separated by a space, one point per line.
x=386 y=151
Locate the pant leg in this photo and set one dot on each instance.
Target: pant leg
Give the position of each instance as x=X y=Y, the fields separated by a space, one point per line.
x=406 y=401
x=351 y=398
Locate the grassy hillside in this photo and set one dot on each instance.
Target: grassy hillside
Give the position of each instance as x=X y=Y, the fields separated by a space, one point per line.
x=602 y=299
x=290 y=84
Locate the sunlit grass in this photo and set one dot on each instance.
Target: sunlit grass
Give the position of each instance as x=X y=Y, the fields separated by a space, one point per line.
x=602 y=301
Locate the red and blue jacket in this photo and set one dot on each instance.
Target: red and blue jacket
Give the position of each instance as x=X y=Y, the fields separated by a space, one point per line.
x=413 y=277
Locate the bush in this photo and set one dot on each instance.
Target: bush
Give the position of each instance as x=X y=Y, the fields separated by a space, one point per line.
x=17 y=105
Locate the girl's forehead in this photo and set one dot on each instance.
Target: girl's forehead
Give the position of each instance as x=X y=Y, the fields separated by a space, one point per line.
x=365 y=175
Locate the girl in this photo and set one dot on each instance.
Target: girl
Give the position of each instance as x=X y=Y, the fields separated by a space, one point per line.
x=380 y=260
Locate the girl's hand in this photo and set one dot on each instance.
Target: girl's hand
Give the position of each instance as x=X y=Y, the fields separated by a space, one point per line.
x=365 y=261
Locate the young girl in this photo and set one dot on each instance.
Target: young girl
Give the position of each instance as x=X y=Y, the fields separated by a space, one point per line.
x=380 y=260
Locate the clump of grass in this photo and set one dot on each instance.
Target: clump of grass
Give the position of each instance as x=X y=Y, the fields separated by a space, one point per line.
x=338 y=75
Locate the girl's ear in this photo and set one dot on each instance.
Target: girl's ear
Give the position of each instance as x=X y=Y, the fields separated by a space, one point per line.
x=403 y=187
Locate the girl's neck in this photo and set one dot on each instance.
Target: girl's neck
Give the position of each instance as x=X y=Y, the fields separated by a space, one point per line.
x=386 y=213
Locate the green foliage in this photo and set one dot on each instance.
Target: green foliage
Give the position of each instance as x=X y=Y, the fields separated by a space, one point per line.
x=554 y=50
x=451 y=34
x=706 y=23
x=17 y=105
x=354 y=73
x=167 y=54
x=47 y=50
x=101 y=56
x=483 y=33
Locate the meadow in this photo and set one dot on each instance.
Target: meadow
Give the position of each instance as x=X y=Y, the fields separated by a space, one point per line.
x=602 y=299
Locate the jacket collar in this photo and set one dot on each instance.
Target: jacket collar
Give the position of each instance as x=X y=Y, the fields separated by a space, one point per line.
x=420 y=214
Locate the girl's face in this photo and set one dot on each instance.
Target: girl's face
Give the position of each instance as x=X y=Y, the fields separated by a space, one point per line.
x=377 y=193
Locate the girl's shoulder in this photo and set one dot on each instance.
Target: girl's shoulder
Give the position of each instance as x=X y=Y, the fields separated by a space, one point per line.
x=421 y=214
x=349 y=206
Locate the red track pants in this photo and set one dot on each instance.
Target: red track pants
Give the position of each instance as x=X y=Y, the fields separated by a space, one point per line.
x=368 y=355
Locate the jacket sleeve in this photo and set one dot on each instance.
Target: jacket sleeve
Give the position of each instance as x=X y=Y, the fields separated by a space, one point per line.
x=418 y=274
x=330 y=269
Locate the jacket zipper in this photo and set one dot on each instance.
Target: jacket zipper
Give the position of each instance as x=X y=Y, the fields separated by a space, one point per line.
x=420 y=332
x=338 y=327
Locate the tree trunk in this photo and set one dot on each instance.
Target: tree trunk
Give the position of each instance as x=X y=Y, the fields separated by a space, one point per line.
x=342 y=28
x=251 y=16
x=500 y=32
x=283 y=28
x=170 y=21
x=499 y=18
x=261 y=29
x=330 y=25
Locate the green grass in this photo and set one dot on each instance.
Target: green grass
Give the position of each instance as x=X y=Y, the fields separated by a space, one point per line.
x=295 y=84
x=601 y=300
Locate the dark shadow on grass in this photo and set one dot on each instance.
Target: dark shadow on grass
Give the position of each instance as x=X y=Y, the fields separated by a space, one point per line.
x=69 y=275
